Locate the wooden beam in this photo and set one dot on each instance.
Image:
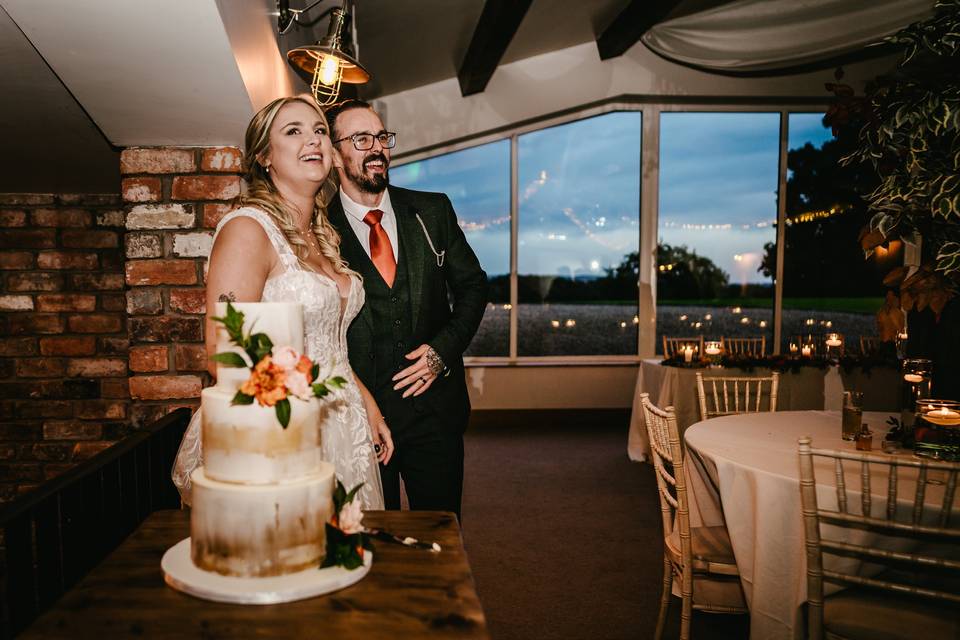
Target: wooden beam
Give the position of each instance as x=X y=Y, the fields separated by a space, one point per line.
x=496 y=28
x=635 y=20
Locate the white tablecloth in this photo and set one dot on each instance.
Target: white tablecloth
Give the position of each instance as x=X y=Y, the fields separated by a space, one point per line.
x=743 y=469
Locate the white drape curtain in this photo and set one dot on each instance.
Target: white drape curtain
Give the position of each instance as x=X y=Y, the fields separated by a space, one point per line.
x=761 y=35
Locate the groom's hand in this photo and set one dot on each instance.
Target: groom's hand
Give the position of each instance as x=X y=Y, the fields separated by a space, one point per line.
x=418 y=377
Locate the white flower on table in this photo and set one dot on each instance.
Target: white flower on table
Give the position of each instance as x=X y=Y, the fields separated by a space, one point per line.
x=351 y=518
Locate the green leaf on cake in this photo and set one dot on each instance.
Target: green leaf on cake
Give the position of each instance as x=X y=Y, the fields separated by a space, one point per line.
x=242 y=398
x=315 y=371
x=353 y=492
x=283 y=412
x=337 y=382
x=229 y=359
x=320 y=389
x=257 y=346
x=233 y=323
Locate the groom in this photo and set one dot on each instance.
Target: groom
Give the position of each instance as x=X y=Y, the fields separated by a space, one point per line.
x=407 y=343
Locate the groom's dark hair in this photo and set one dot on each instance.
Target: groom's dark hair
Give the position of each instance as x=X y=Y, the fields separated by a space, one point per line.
x=334 y=111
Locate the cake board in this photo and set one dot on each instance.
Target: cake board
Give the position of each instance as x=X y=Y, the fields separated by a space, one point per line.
x=180 y=573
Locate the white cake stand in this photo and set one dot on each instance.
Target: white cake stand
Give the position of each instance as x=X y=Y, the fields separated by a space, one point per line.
x=180 y=573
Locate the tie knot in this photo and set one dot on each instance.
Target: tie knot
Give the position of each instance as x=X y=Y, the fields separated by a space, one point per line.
x=373 y=217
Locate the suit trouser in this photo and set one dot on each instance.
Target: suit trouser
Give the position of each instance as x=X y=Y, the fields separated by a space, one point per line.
x=428 y=456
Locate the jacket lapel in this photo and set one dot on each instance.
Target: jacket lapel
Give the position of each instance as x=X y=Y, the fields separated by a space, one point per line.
x=410 y=235
x=350 y=248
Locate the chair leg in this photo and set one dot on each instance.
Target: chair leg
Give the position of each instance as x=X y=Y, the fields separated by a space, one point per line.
x=686 y=610
x=664 y=596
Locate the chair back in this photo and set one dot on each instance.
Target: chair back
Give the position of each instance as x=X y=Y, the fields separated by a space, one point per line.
x=727 y=395
x=869 y=344
x=755 y=347
x=667 y=456
x=908 y=519
x=672 y=345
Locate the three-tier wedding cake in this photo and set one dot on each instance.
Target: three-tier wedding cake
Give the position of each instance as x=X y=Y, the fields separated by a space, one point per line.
x=263 y=495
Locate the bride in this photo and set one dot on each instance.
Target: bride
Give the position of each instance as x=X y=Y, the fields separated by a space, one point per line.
x=279 y=247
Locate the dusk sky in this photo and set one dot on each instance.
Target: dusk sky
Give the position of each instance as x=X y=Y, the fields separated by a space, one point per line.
x=580 y=190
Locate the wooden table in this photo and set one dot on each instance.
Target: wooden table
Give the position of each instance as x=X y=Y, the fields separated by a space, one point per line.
x=409 y=593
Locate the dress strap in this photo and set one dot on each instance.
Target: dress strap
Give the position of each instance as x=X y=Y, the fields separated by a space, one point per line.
x=276 y=236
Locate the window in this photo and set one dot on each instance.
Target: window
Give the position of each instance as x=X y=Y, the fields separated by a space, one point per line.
x=578 y=238
x=477 y=181
x=716 y=222
x=827 y=285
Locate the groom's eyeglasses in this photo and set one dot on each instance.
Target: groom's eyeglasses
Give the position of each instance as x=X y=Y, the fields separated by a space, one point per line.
x=364 y=141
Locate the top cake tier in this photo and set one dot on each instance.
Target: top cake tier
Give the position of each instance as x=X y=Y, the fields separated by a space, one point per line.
x=281 y=321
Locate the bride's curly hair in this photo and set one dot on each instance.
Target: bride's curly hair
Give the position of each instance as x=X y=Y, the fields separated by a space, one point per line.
x=262 y=194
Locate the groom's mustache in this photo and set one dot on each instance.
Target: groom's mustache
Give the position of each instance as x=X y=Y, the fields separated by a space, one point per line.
x=373 y=158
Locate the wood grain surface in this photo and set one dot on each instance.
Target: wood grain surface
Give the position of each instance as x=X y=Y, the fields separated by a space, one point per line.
x=409 y=593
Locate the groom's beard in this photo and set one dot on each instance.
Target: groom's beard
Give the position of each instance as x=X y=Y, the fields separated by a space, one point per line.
x=369 y=182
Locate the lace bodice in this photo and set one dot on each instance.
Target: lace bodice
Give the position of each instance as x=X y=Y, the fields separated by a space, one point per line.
x=346 y=441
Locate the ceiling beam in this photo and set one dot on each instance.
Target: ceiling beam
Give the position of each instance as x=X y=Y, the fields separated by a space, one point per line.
x=496 y=28
x=635 y=20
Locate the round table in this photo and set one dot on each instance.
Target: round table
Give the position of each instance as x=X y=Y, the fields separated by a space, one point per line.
x=743 y=470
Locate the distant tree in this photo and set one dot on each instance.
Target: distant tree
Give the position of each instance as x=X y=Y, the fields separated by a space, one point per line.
x=682 y=274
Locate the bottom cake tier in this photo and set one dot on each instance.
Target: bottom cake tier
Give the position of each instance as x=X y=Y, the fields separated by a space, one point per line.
x=260 y=530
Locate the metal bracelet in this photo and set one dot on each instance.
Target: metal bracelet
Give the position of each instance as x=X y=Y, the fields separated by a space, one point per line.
x=434 y=362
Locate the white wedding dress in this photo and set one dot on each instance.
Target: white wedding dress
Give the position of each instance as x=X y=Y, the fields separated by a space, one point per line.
x=346 y=438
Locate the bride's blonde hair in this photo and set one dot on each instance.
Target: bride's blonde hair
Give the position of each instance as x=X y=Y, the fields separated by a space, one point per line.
x=262 y=194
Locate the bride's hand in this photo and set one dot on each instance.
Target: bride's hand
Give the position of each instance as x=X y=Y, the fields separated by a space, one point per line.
x=382 y=440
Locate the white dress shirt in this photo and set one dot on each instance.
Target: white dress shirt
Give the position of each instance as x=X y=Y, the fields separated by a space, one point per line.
x=356 y=212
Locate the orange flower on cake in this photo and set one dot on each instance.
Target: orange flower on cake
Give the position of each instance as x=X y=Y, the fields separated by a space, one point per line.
x=267 y=383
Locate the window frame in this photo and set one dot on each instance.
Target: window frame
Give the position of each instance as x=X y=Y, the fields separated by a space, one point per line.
x=651 y=107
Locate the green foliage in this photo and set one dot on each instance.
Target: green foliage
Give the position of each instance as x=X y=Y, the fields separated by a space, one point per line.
x=344 y=550
x=283 y=412
x=684 y=274
x=910 y=135
x=256 y=345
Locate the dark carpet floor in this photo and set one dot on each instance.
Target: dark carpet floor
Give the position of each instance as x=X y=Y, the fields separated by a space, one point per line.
x=563 y=532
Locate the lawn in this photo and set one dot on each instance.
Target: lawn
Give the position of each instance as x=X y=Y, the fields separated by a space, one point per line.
x=847 y=305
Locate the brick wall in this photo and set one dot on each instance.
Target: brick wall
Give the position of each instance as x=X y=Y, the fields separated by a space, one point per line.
x=63 y=334
x=173 y=199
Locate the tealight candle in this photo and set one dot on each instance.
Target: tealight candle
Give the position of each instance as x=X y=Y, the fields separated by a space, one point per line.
x=913 y=377
x=942 y=416
x=833 y=340
x=806 y=351
x=794 y=348
x=712 y=348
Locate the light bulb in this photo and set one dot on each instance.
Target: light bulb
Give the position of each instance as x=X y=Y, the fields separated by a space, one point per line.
x=328 y=70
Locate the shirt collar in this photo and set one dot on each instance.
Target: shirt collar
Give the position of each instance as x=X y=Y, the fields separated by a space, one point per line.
x=358 y=211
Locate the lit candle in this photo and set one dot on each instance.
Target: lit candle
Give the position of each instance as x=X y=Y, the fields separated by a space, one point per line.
x=913 y=377
x=793 y=347
x=943 y=416
x=833 y=340
x=712 y=348
x=806 y=351
x=688 y=354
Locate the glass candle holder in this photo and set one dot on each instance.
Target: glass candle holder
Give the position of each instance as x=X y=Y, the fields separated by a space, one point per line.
x=713 y=349
x=833 y=344
x=937 y=429
x=915 y=375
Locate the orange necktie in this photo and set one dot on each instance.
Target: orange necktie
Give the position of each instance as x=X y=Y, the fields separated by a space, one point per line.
x=380 y=250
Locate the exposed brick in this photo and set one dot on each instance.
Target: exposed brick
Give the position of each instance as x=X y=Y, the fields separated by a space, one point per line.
x=18 y=346
x=66 y=302
x=32 y=409
x=50 y=451
x=101 y=410
x=16 y=260
x=143 y=245
x=13 y=218
x=89 y=199
x=205 y=187
x=61 y=218
x=26 y=198
x=73 y=239
x=113 y=302
x=96 y=281
x=188 y=300
x=114 y=388
x=166 y=329
x=7 y=452
x=192 y=245
x=140 y=189
x=161 y=216
x=115 y=218
x=85 y=450
x=7 y=370
x=70 y=430
x=165 y=387
x=111 y=259
x=190 y=357
x=64 y=346
x=96 y=323
x=34 y=323
x=35 y=281
x=222 y=159
x=163 y=160
x=20 y=431
x=154 y=272
x=16 y=303
x=213 y=213
x=28 y=239
x=113 y=346
x=96 y=367
x=40 y=368
x=149 y=359
x=53 y=469
x=142 y=414
x=21 y=472
x=67 y=260
x=146 y=302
